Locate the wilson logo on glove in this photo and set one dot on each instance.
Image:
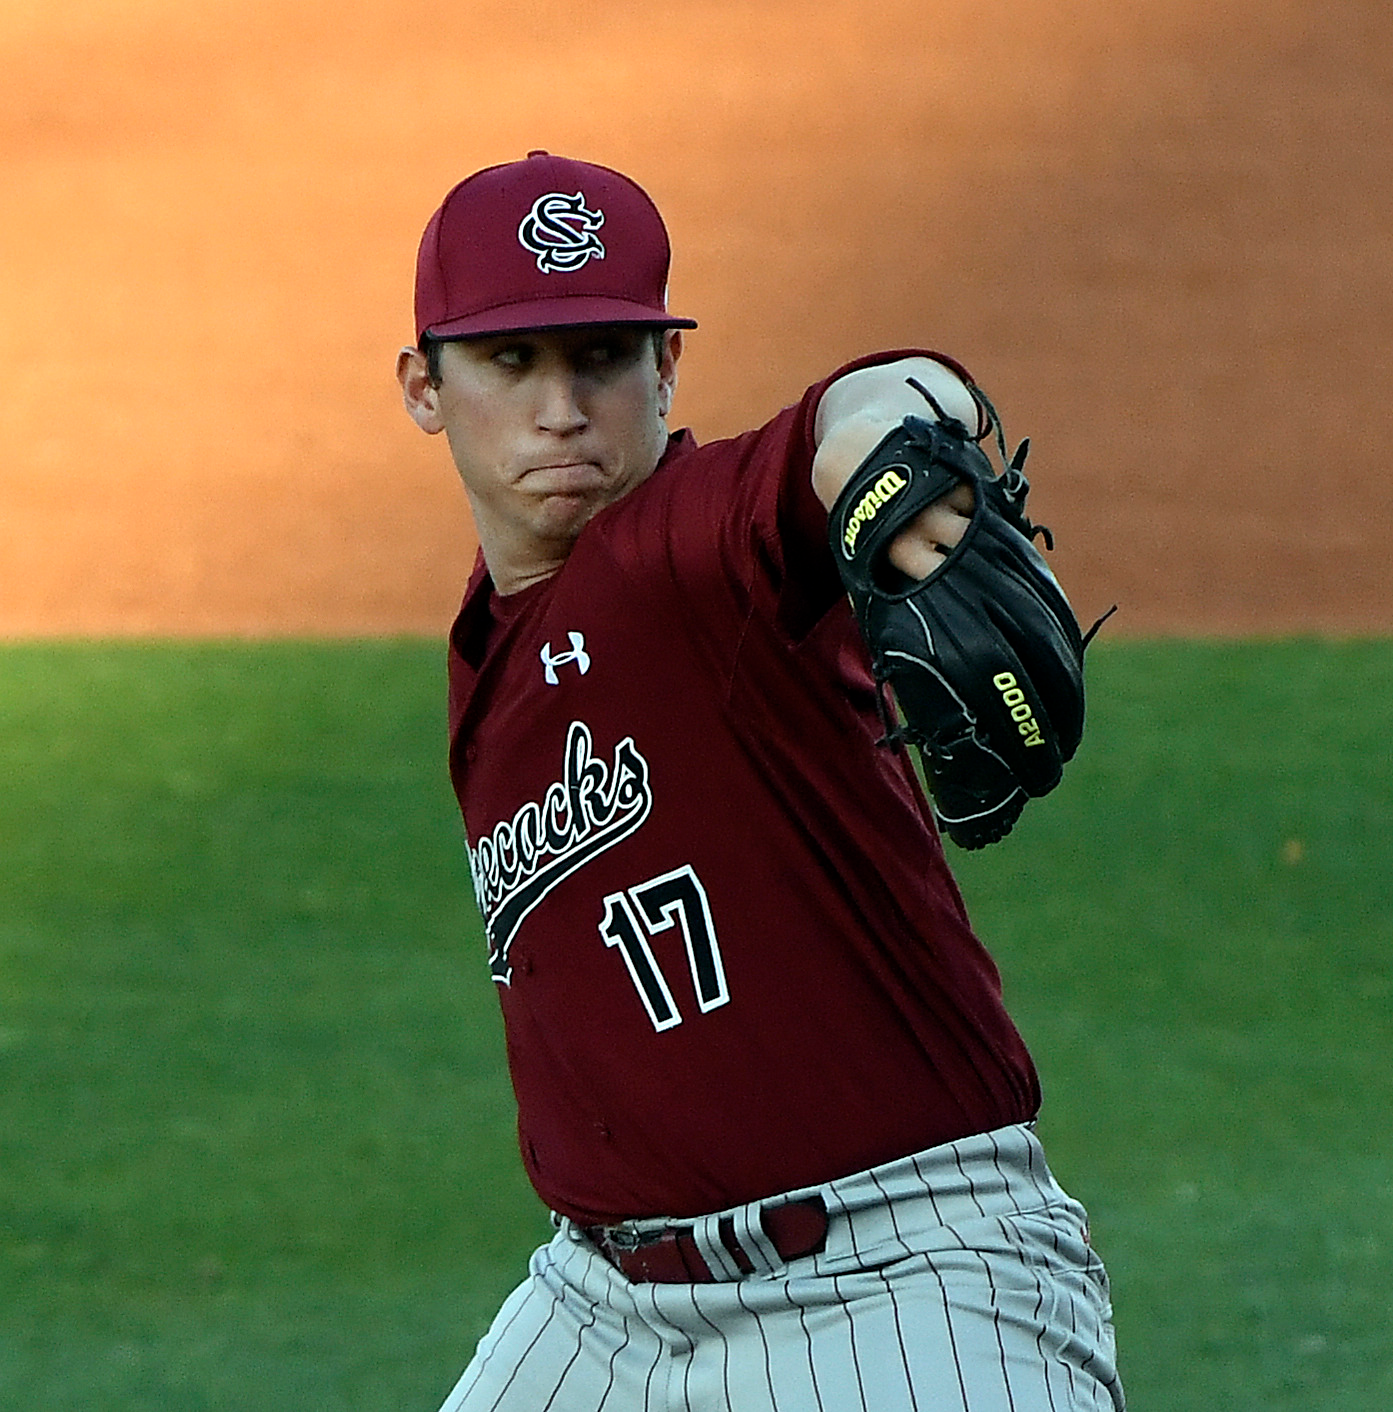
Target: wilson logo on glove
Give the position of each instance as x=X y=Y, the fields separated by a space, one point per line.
x=871 y=504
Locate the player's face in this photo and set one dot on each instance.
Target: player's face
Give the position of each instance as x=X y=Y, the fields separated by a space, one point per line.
x=547 y=428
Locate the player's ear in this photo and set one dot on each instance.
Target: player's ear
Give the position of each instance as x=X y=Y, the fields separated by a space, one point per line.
x=419 y=394
x=667 y=369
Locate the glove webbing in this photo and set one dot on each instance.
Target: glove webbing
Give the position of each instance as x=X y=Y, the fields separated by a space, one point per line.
x=1011 y=483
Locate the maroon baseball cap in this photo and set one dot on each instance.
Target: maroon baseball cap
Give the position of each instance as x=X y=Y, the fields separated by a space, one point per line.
x=543 y=243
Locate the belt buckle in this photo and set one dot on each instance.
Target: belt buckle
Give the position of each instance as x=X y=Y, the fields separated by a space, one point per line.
x=618 y=1238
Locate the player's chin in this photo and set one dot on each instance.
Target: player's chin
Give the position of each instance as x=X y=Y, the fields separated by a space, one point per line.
x=562 y=517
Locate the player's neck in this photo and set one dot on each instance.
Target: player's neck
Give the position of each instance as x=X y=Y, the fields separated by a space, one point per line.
x=512 y=572
x=506 y=583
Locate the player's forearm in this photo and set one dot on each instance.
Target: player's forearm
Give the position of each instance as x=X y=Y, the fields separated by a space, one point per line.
x=858 y=410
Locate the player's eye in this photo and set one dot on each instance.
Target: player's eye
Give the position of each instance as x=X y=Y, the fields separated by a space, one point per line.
x=597 y=355
x=514 y=356
x=615 y=351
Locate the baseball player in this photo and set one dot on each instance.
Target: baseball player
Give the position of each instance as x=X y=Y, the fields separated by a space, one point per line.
x=765 y=1080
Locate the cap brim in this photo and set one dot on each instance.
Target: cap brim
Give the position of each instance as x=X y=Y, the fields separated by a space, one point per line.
x=539 y=314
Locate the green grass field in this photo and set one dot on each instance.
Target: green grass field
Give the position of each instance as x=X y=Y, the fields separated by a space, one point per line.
x=255 y=1132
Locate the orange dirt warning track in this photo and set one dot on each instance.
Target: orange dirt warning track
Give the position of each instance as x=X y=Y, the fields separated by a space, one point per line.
x=1157 y=233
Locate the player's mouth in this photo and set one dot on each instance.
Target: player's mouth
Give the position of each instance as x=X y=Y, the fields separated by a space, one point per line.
x=566 y=478
x=575 y=480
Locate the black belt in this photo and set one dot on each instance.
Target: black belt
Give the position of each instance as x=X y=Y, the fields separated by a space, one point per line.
x=671 y=1256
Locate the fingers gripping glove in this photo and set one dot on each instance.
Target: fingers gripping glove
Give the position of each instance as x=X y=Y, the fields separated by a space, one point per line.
x=984 y=656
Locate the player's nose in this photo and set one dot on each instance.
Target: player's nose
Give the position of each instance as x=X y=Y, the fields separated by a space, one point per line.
x=560 y=406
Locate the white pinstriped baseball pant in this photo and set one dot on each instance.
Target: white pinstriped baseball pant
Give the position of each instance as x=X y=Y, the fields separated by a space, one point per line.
x=956 y=1280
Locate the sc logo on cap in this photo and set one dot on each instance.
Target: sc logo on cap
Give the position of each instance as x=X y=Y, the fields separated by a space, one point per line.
x=560 y=231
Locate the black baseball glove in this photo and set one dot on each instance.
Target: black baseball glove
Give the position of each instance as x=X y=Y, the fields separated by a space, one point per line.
x=985 y=656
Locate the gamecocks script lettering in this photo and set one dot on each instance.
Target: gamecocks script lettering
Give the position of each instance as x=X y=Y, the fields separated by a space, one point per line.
x=589 y=809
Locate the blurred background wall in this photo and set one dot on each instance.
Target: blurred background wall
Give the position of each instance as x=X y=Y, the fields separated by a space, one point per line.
x=1158 y=233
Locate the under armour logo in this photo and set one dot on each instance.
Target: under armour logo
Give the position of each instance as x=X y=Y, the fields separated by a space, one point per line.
x=577 y=654
x=560 y=231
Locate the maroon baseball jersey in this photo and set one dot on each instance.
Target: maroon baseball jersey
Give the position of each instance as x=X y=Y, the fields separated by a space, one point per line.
x=730 y=955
